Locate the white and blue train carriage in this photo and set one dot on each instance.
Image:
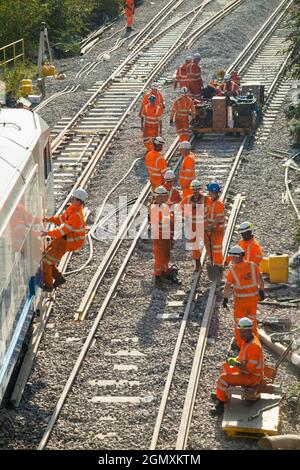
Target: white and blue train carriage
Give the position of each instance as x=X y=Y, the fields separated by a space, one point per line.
x=26 y=196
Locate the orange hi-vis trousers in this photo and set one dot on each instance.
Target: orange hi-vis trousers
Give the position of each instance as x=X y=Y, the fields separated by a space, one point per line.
x=244 y=308
x=149 y=132
x=216 y=243
x=182 y=128
x=233 y=376
x=52 y=256
x=162 y=253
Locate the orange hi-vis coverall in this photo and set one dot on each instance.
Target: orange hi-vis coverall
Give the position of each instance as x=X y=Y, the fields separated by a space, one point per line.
x=251 y=372
x=181 y=78
x=152 y=115
x=156 y=167
x=244 y=278
x=181 y=109
x=159 y=99
x=195 y=214
x=174 y=198
x=253 y=250
x=194 y=79
x=69 y=236
x=215 y=230
x=230 y=87
x=161 y=236
x=129 y=12
x=187 y=174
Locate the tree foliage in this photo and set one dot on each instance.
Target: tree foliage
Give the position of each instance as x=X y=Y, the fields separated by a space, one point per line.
x=66 y=19
x=293 y=39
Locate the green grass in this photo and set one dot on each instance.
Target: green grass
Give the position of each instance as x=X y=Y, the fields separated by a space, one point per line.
x=13 y=75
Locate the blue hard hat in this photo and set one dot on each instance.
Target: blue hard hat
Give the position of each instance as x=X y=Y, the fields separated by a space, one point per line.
x=214 y=187
x=152 y=98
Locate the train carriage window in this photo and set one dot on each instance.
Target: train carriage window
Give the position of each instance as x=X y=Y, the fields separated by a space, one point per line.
x=47 y=161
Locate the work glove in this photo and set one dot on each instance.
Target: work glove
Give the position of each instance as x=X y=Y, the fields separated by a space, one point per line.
x=261 y=295
x=232 y=361
x=225 y=302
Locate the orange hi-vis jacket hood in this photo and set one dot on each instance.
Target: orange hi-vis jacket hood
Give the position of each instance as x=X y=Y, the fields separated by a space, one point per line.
x=187 y=170
x=251 y=356
x=253 y=250
x=73 y=227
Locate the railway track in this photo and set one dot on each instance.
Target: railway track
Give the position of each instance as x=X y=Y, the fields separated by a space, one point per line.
x=223 y=168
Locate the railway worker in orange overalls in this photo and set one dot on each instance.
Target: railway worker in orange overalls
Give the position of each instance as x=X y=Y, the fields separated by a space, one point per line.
x=161 y=235
x=173 y=200
x=70 y=236
x=248 y=288
x=129 y=12
x=151 y=121
x=229 y=87
x=156 y=164
x=182 y=78
x=153 y=92
x=214 y=233
x=235 y=77
x=253 y=250
x=195 y=82
x=195 y=209
x=181 y=109
x=246 y=370
x=187 y=169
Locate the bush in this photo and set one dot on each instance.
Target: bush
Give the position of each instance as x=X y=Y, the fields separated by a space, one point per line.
x=13 y=76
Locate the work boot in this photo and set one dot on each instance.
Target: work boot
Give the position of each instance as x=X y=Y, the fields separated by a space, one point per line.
x=158 y=282
x=197 y=265
x=59 y=281
x=129 y=29
x=47 y=289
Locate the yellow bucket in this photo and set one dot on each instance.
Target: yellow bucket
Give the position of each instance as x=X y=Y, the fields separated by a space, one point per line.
x=26 y=86
x=48 y=71
x=278 y=268
x=264 y=265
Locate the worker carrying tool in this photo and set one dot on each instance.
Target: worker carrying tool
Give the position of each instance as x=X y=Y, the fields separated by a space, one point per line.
x=182 y=78
x=129 y=12
x=181 y=109
x=214 y=233
x=248 y=288
x=195 y=208
x=156 y=164
x=161 y=236
x=153 y=92
x=253 y=250
x=195 y=82
x=173 y=200
x=229 y=87
x=187 y=169
x=151 y=121
x=246 y=370
x=69 y=236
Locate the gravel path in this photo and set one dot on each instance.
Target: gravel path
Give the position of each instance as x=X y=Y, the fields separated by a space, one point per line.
x=64 y=338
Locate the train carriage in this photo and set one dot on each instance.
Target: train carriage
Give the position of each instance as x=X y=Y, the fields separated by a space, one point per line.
x=26 y=194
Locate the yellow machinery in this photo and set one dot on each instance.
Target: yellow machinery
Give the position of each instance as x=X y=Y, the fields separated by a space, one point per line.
x=277 y=266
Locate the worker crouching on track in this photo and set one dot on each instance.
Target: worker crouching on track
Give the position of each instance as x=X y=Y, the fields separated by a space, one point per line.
x=214 y=233
x=181 y=109
x=156 y=164
x=173 y=200
x=161 y=236
x=69 y=236
x=129 y=12
x=195 y=208
x=151 y=121
x=229 y=87
x=246 y=370
x=187 y=168
x=248 y=288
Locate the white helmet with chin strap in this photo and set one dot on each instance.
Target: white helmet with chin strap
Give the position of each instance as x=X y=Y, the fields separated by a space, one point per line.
x=80 y=194
x=245 y=227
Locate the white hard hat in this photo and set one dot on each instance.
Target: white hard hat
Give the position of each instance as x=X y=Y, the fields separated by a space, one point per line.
x=183 y=90
x=195 y=184
x=158 y=140
x=227 y=77
x=169 y=175
x=245 y=323
x=160 y=190
x=245 y=227
x=154 y=86
x=197 y=55
x=236 y=251
x=81 y=194
x=185 y=145
x=189 y=57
